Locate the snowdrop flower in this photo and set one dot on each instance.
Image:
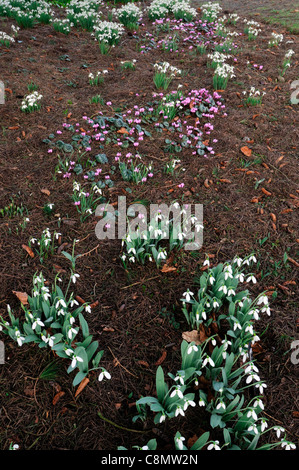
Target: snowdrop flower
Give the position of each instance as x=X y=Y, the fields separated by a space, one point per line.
x=250 y=329
x=177 y=392
x=74 y=277
x=221 y=404
x=215 y=304
x=201 y=402
x=20 y=339
x=103 y=374
x=76 y=359
x=253 y=428
x=189 y=403
x=180 y=378
x=264 y=424
x=162 y=418
x=228 y=272
x=251 y=278
x=188 y=294
x=206 y=263
x=191 y=348
x=48 y=339
x=238 y=261
x=223 y=289
x=214 y=445
x=211 y=279
x=266 y=310
x=255 y=313
x=179 y=411
x=251 y=367
x=278 y=430
x=37 y=322
x=231 y=291
x=69 y=352
x=258 y=403
x=209 y=360
x=60 y=302
x=263 y=299
x=261 y=387
x=252 y=376
x=88 y=309
x=237 y=325
x=252 y=413
x=180 y=442
x=71 y=332
x=288 y=445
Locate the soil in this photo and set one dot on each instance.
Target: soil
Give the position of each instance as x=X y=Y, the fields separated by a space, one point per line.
x=127 y=320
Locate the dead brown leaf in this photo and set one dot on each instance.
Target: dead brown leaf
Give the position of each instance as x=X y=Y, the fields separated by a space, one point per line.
x=46 y=192
x=57 y=397
x=161 y=359
x=29 y=250
x=82 y=385
x=22 y=296
x=194 y=336
x=246 y=151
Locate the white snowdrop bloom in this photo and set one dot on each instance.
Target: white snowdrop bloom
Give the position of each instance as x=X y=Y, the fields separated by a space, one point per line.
x=177 y=391
x=287 y=445
x=214 y=446
x=278 y=430
x=75 y=277
x=208 y=360
x=179 y=411
x=188 y=294
x=180 y=442
x=104 y=374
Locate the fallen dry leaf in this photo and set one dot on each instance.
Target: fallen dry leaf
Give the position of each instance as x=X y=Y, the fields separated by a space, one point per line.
x=29 y=251
x=246 y=151
x=194 y=336
x=82 y=385
x=46 y=191
x=57 y=397
x=266 y=192
x=224 y=180
x=161 y=359
x=22 y=296
x=143 y=363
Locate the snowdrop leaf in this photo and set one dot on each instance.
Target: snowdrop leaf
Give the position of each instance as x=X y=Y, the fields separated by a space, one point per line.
x=201 y=441
x=161 y=386
x=92 y=349
x=84 y=326
x=78 y=378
